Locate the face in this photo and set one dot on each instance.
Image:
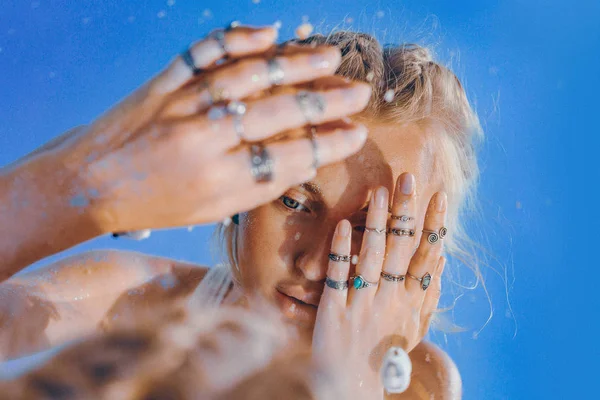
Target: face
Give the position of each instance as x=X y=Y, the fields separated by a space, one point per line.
x=283 y=246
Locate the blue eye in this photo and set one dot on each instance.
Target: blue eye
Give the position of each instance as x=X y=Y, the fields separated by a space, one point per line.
x=292 y=204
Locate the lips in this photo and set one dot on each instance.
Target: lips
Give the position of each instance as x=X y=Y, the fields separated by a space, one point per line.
x=311 y=298
x=295 y=309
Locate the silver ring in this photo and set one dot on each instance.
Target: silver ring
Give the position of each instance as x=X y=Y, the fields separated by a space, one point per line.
x=359 y=282
x=315 y=147
x=403 y=218
x=392 y=277
x=261 y=164
x=188 y=59
x=377 y=231
x=401 y=232
x=339 y=257
x=443 y=232
x=311 y=104
x=425 y=280
x=276 y=73
x=337 y=285
x=433 y=236
x=237 y=109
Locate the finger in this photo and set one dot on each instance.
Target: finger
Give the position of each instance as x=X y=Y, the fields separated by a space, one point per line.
x=292 y=164
x=401 y=240
x=239 y=41
x=334 y=141
x=372 y=249
x=432 y=297
x=251 y=75
x=283 y=111
x=430 y=247
x=338 y=270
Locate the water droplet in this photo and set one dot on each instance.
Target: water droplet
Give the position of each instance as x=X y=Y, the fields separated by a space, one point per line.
x=131 y=19
x=304 y=31
x=354 y=260
x=518 y=205
x=207 y=13
x=389 y=95
x=297 y=236
x=428 y=358
x=161 y=14
x=370 y=76
x=85 y=20
x=170 y=3
x=227 y=221
x=52 y=75
x=256 y=1
x=380 y=14
x=277 y=25
x=349 y=20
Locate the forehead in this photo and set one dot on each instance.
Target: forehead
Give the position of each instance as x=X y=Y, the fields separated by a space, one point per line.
x=391 y=150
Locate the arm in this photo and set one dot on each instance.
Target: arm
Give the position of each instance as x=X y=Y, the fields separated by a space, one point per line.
x=39 y=215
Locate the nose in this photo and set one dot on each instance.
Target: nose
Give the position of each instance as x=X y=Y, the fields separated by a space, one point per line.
x=313 y=255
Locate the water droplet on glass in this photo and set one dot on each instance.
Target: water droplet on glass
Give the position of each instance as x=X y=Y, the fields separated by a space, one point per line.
x=297 y=236
x=349 y=20
x=389 y=95
x=161 y=14
x=227 y=221
x=170 y=3
x=277 y=25
x=131 y=19
x=518 y=205
x=354 y=259
x=207 y=13
x=85 y=20
x=380 y=14
x=428 y=357
x=256 y=1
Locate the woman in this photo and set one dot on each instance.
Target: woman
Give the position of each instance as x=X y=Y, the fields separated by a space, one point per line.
x=294 y=250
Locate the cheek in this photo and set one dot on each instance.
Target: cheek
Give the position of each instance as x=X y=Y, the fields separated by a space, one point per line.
x=260 y=236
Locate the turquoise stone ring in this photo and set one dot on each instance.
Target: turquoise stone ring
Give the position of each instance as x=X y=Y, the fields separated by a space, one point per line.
x=359 y=282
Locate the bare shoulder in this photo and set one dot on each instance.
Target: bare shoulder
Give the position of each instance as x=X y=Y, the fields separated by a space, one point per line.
x=100 y=270
x=81 y=289
x=434 y=373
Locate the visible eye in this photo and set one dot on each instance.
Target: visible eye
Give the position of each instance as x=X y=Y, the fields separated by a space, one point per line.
x=292 y=204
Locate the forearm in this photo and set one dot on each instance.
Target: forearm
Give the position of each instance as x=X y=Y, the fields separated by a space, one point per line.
x=39 y=214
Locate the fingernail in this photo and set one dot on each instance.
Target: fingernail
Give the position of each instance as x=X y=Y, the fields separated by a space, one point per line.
x=343 y=228
x=440 y=201
x=318 y=61
x=381 y=197
x=408 y=183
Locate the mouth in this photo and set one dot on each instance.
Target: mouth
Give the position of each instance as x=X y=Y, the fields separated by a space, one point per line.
x=296 y=309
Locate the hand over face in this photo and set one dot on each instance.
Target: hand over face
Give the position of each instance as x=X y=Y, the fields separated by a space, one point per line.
x=173 y=153
x=394 y=291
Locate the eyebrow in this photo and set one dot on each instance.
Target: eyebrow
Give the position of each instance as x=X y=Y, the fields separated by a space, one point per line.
x=312 y=187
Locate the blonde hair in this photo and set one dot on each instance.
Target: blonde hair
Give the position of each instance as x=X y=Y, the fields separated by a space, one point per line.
x=424 y=92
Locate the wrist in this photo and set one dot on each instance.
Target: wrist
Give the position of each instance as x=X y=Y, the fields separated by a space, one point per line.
x=39 y=215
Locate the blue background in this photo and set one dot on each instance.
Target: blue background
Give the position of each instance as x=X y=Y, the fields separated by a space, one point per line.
x=532 y=69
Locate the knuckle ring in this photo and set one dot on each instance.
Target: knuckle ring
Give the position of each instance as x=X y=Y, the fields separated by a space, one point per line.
x=392 y=277
x=359 y=282
x=275 y=72
x=261 y=164
x=435 y=236
x=375 y=230
x=425 y=280
x=236 y=109
x=403 y=218
x=311 y=104
x=315 y=147
x=339 y=257
x=188 y=59
x=402 y=232
x=337 y=285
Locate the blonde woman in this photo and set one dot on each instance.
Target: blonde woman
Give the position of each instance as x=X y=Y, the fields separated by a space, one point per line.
x=351 y=254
